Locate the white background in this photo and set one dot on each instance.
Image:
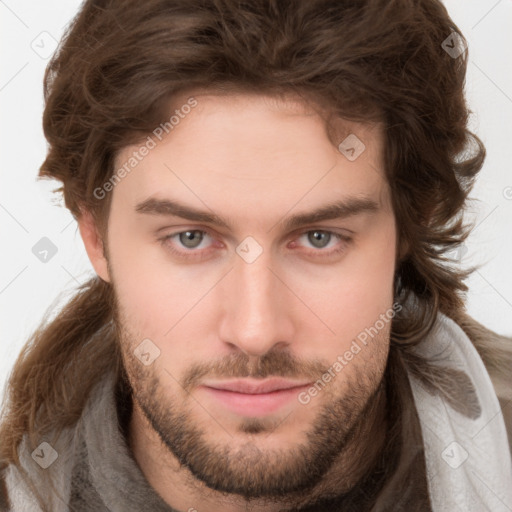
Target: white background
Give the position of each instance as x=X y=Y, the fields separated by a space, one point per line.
x=29 y=211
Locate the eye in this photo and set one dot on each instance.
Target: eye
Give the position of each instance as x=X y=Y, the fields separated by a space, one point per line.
x=321 y=241
x=189 y=239
x=188 y=243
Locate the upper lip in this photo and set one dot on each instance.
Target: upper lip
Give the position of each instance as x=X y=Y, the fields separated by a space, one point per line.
x=254 y=386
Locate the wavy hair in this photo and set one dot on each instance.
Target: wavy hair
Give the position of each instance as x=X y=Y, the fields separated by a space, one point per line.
x=110 y=83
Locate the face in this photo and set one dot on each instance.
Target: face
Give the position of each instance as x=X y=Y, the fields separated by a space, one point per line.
x=254 y=334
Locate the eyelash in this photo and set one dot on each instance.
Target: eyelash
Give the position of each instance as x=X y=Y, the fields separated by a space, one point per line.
x=197 y=254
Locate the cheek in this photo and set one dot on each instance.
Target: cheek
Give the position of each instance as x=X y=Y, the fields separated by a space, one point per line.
x=352 y=296
x=369 y=282
x=153 y=291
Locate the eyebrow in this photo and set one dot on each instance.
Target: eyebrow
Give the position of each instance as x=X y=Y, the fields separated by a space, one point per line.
x=343 y=208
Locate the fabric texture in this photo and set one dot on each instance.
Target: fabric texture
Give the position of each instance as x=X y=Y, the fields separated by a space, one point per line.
x=453 y=449
x=469 y=466
x=102 y=476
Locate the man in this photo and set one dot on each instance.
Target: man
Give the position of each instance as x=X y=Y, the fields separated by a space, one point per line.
x=259 y=188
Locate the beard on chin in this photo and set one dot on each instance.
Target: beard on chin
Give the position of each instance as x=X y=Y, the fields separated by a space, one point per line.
x=248 y=470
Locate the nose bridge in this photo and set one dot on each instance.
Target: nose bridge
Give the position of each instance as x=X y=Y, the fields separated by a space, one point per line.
x=255 y=317
x=254 y=284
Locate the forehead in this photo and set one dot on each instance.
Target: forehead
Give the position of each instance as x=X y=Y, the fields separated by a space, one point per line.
x=250 y=148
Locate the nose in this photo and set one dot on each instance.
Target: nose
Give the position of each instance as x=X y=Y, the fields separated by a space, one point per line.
x=257 y=308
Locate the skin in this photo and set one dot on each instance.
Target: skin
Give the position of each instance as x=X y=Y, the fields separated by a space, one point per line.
x=255 y=161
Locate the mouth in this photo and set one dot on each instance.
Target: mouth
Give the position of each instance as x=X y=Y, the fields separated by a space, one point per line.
x=253 y=398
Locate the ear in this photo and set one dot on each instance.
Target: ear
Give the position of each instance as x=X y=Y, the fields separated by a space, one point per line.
x=93 y=245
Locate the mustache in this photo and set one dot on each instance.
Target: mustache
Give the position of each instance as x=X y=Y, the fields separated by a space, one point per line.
x=275 y=363
x=240 y=365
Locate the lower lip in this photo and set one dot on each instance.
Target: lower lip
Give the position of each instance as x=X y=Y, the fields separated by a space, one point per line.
x=253 y=405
